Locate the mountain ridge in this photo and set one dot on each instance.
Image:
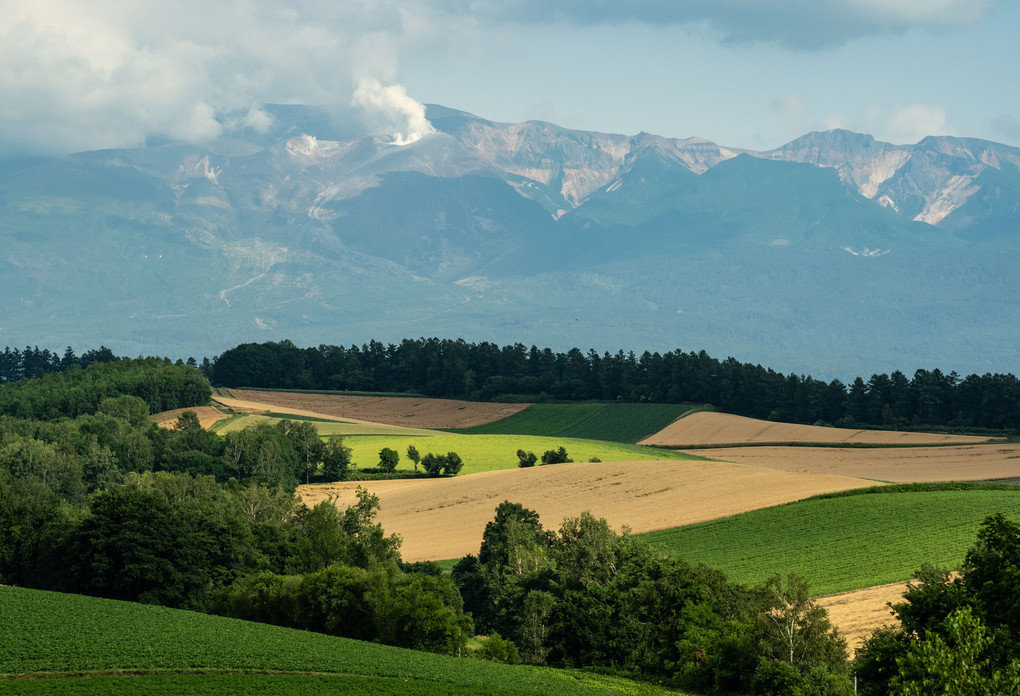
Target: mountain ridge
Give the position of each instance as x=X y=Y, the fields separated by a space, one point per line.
x=522 y=232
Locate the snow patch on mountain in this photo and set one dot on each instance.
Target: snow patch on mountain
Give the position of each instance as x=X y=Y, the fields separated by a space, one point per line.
x=947 y=198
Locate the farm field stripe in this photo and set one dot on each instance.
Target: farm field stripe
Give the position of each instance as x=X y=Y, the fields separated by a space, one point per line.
x=616 y=422
x=497 y=452
x=407 y=411
x=977 y=462
x=445 y=518
x=720 y=429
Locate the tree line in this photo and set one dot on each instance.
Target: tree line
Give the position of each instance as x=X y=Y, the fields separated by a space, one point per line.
x=32 y=362
x=486 y=371
x=74 y=391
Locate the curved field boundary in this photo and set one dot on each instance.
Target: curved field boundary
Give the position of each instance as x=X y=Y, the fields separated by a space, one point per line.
x=843 y=543
x=445 y=518
x=982 y=462
x=710 y=428
x=411 y=412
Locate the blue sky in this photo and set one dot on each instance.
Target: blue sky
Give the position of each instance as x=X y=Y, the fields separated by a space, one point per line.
x=744 y=73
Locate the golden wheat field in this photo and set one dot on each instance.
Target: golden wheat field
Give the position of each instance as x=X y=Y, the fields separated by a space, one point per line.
x=900 y=465
x=445 y=518
x=708 y=428
x=412 y=412
x=858 y=613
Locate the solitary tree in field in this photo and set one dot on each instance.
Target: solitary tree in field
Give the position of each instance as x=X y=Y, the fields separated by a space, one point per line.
x=412 y=454
x=388 y=459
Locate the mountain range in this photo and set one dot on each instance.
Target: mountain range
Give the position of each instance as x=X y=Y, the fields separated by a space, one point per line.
x=835 y=254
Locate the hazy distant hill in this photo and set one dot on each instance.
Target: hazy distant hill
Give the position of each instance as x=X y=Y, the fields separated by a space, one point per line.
x=835 y=254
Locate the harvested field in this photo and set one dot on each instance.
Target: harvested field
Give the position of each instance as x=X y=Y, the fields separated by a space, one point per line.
x=207 y=415
x=445 y=518
x=706 y=428
x=412 y=412
x=857 y=614
x=260 y=408
x=985 y=462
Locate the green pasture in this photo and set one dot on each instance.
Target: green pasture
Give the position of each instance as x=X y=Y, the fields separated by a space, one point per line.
x=843 y=543
x=82 y=643
x=495 y=452
x=615 y=422
x=326 y=427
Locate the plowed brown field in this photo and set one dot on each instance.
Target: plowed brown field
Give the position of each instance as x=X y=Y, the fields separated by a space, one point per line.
x=258 y=407
x=412 y=412
x=445 y=518
x=856 y=614
x=705 y=428
x=207 y=415
x=902 y=465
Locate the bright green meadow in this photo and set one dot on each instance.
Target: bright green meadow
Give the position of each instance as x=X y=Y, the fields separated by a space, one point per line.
x=47 y=633
x=616 y=422
x=843 y=543
x=494 y=452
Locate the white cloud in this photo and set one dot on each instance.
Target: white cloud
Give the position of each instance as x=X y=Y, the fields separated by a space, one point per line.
x=909 y=124
x=77 y=76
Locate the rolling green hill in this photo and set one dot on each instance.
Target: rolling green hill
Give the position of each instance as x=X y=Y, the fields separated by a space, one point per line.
x=615 y=422
x=846 y=542
x=126 y=648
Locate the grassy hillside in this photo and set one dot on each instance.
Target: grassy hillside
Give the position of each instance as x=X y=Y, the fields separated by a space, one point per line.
x=843 y=543
x=495 y=452
x=67 y=635
x=616 y=422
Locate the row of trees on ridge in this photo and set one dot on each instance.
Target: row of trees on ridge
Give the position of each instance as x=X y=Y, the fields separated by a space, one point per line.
x=486 y=371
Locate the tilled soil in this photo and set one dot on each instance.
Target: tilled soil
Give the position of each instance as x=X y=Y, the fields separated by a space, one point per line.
x=413 y=412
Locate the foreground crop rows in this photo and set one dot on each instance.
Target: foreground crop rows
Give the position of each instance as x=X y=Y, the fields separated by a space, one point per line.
x=46 y=632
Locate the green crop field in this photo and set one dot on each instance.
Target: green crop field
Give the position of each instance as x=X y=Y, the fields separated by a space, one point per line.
x=616 y=422
x=81 y=643
x=495 y=452
x=843 y=543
